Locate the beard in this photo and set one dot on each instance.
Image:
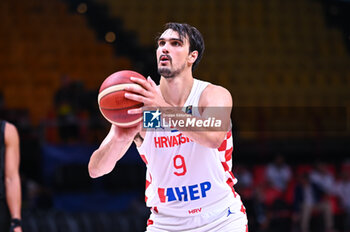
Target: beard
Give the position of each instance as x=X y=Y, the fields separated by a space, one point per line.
x=168 y=73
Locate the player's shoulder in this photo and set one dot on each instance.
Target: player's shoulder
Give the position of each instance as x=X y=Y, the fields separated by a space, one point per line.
x=215 y=93
x=216 y=89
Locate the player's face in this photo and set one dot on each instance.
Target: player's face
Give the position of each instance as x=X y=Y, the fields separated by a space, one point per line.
x=172 y=53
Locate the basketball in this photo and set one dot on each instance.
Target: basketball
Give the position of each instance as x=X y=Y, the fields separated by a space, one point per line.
x=112 y=103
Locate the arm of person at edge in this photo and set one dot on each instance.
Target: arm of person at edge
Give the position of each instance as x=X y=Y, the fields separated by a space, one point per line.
x=12 y=177
x=215 y=102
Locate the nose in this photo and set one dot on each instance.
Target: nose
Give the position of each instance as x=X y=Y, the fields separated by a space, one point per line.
x=165 y=49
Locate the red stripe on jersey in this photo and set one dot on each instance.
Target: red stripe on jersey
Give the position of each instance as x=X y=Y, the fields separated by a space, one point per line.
x=143 y=157
x=147 y=183
x=227 y=169
x=161 y=194
x=225 y=165
x=246 y=228
x=155 y=209
x=230 y=183
x=229 y=134
x=228 y=154
x=223 y=145
x=233 y=177
x=149 y=222
x=242 y=209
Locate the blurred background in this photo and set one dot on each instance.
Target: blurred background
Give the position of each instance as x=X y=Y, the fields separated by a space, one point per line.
x=286 y=64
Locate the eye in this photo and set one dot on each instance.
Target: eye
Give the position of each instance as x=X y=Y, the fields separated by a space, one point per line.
x=161 y=43
x=176 y=43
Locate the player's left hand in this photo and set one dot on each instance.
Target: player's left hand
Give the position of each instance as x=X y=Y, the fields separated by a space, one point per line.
x=148 y=93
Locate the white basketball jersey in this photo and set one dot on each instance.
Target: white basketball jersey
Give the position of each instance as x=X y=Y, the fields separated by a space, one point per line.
x=185 y=178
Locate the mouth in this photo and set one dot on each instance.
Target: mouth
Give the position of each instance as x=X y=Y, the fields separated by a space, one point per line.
x=163 y=59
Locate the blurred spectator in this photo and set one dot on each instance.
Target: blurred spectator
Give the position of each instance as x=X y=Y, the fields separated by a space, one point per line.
x=245 y=182
x=244 y=176
x=323 y=178
x=278 y=173
x=269 y=206
x=309 y=198
x=261 y=210
x=77 y=112
x=69 y=101
x=343 y=191
x=98 y=126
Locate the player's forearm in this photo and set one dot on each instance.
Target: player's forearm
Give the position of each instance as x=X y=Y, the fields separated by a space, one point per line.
x=106 y=156
x=13 y=195
x=211 y=139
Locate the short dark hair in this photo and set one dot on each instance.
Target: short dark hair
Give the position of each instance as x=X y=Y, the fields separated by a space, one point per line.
x=194 y=37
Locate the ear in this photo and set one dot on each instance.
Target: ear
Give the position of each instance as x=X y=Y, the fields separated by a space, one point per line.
x=192 y=57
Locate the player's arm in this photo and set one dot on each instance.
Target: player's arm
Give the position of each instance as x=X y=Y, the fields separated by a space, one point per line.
x=112 y=149
x=12 y=177
x=216 y=103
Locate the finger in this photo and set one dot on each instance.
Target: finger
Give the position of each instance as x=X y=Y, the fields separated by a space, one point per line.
x=153 y=84
x=143 y=83
x=137 y=89
x=135 y=97
x=135 y=111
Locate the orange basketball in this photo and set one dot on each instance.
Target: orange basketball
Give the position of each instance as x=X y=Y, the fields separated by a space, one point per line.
x=112 y=103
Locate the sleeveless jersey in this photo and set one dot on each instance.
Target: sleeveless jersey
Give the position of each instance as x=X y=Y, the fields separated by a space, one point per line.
x=184 y=178
x=2 y=159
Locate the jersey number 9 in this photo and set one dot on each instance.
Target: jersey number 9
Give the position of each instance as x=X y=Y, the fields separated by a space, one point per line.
x=179 y=164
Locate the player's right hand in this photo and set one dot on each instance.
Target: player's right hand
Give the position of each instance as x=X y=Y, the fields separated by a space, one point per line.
x=123 y=134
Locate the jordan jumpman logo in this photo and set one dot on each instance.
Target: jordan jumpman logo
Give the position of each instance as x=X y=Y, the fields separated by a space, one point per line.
x=229 y=212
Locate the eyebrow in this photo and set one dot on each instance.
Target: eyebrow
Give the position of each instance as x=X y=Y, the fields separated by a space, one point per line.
x=171 y=39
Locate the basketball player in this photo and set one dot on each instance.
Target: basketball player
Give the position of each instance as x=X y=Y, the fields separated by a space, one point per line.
x=189 y=183
x=10 y=183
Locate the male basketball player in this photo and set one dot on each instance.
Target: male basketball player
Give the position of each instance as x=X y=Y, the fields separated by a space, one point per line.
x=10 y=184
x=189 y=183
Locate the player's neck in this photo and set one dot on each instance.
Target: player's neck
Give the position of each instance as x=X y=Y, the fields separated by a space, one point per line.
x=176 y=90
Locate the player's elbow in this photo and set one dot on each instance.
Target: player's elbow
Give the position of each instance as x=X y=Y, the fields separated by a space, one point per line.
x=215 y=141
x=11 y=179
x=94 y=172
x=214 y=144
